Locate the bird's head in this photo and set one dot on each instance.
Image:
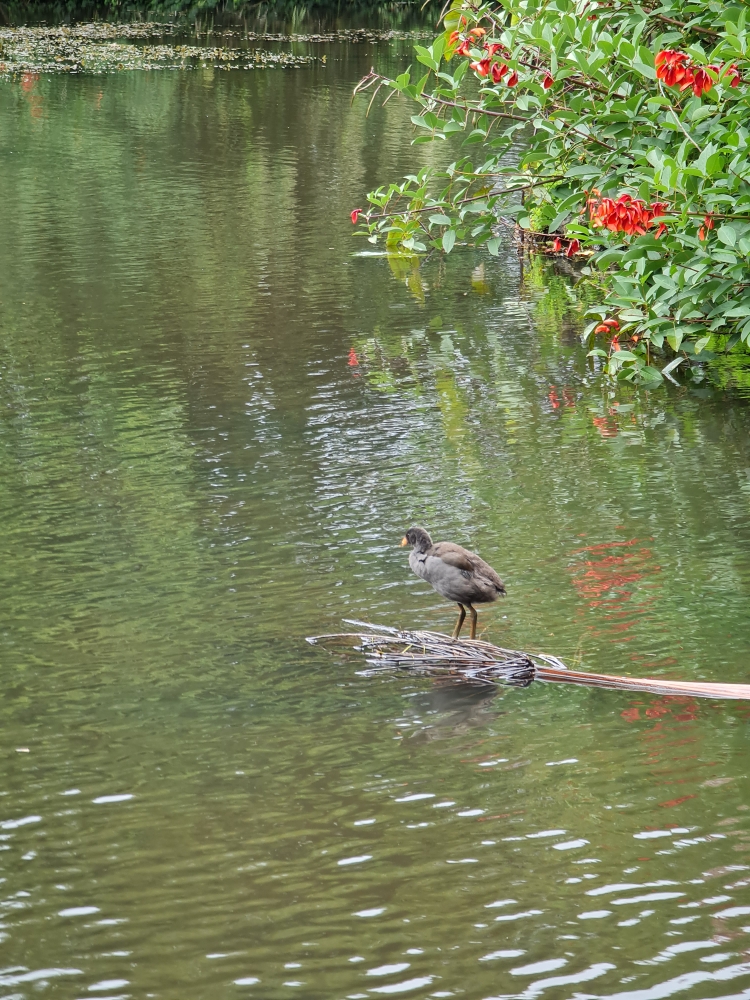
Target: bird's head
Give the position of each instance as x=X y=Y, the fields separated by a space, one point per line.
x=418 y=539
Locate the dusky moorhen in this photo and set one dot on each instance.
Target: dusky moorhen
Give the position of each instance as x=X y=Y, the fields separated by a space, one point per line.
x=455 y=573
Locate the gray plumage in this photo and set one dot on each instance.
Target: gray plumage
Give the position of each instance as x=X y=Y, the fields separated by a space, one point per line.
x=455 y=573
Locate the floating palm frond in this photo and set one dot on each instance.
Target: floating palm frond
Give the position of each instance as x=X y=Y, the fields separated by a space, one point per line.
x=478 y=662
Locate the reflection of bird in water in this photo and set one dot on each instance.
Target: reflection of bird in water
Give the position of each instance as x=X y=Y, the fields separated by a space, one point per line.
x=455 y=573
x=453 y=709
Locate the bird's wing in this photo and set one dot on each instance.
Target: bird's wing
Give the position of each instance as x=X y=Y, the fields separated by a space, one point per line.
x=453 y=555
x=485 y=570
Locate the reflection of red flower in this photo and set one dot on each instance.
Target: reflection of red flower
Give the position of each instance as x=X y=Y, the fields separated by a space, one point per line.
x=609 y=570
x=676 y=802
x=353 y=359
x=28 y=80
x=631 y=714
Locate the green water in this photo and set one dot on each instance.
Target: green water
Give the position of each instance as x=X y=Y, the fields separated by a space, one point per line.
x=216 y=422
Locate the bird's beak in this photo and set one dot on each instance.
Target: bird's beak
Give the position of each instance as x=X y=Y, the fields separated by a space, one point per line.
x=404 y=541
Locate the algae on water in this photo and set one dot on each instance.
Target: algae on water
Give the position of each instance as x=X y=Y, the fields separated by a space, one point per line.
x=107 y=48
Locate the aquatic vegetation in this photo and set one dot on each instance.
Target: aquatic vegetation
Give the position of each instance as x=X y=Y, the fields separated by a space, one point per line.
x=97 y=48
x=106 y=48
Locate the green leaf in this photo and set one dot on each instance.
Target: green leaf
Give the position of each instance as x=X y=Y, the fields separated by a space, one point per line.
x=727 y=235
x=608 y=257
x=674 y=340
x=440 y=220
x=650 y=375
x=563 y=210
x=449 y=238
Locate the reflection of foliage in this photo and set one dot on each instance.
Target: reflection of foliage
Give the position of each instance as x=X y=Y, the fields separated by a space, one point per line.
x=405 y=267
x=732 y=370
x=394 y=14
x=559 y=302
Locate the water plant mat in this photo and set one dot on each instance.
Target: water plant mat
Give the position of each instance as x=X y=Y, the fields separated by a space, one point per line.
x=478 y=662
x=104 y=47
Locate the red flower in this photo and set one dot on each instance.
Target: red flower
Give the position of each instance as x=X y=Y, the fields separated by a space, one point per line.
x=464 y=48
x=677 y=70
x=702 y=81
x=573 y=248
x=482 y=67
x=493 y=47
x=512 y=79
x=498 y=72
x=708 y=223
x=355 y=215
x=548 y=81
x=673 y=67
x=557 y=245
x=607 y=326
x=660 y=231
x=624 y=214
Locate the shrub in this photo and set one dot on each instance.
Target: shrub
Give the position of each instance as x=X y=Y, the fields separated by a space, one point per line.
x=634 y=123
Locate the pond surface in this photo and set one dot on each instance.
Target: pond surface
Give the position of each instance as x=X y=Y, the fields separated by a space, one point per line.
x=216 y=422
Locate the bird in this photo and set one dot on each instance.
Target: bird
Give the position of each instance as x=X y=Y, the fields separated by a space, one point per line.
x=455 y=573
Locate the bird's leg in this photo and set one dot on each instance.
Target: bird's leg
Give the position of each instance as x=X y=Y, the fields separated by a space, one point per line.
x=459 y=623
x=473 y=621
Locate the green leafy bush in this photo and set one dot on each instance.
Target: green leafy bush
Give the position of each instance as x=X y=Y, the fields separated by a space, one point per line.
x=634 y=123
